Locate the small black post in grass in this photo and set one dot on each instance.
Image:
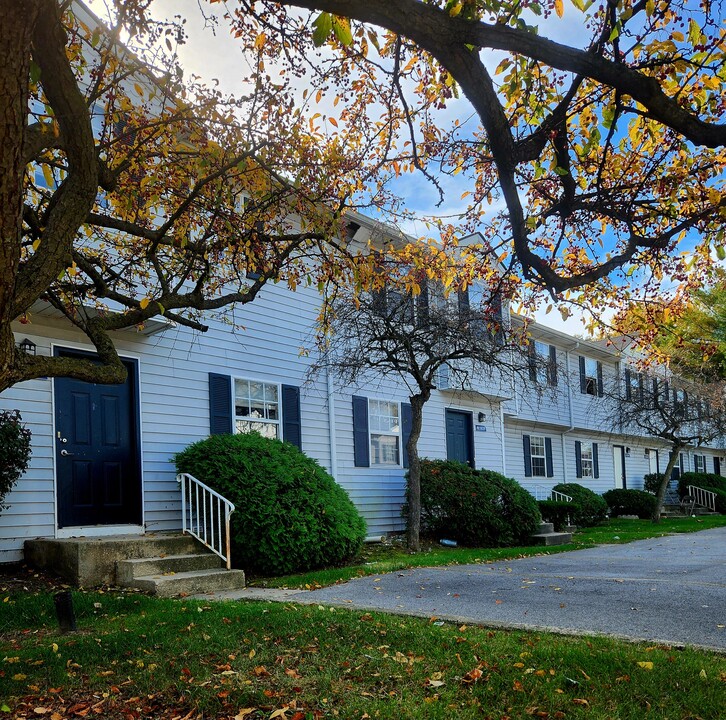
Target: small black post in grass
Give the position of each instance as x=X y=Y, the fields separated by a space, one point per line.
x=64 y=610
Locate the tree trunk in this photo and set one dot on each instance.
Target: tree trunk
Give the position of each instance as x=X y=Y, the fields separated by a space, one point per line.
x=413 y=530
x=16 y=30
x=675 y=455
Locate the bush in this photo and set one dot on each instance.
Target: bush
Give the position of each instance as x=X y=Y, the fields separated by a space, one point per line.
x=630 y=502
x=14 y=451
x=707 y=481
x=555 y=512
x=588 y=508
x=290 y=514
x=479 y=508
x=652 y=481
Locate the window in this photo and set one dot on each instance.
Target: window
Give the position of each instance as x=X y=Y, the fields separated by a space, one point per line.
x=633 y=385
x=542 y=363
x=385 y=432
x=586 y=459
x=538 y=455
x=699 y=463
x=257 y=407
x=591 y=376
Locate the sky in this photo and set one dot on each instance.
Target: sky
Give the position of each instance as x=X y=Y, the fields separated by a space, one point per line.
x=213 y=54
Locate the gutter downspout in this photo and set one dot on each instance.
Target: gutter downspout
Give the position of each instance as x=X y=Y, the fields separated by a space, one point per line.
x=331 y=425
x=569 y=407
x=504 y=442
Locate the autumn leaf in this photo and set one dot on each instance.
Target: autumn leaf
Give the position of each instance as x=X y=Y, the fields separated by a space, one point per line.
x=242 y=714
x=646 y=665
x=559 y=8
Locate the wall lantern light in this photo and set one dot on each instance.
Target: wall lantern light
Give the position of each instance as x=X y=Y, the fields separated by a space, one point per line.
x=27 y=346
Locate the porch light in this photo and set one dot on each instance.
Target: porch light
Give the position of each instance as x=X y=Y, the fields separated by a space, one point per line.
x=27 y=346
x=481 y=417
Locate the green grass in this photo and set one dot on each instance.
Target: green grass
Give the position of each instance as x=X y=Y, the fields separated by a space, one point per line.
x=389 y=557
x=136 y=656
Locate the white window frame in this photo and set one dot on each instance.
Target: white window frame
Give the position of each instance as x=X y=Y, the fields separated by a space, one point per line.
x=385 y=433
x=542 y=456
x=252 y=420
x=586 y=447
x=698 y=458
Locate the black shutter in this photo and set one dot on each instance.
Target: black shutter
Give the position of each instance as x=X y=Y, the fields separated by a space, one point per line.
x=599 y=380
x=527 y=456
x=578 y=458
x=595 y=464
x=291 y=420
x=422 y=305
x=583 y=379
x=628 y=391
x=655 y=392
x=532 y=361
x=220 y=404
x=406 y=421
x=676 y=472
x=717 y=465
x=548 y=457
x=463 y=304
x=361 y=447
x=552 y=367
x=641 y=389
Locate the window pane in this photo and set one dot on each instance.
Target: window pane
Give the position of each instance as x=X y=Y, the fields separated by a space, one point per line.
x=268 y=430
x=538 y=467
x=537 y=445
x=591 y=368
x=384 y=449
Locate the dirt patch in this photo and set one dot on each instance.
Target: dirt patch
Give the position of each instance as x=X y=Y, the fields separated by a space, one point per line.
x=17 y=577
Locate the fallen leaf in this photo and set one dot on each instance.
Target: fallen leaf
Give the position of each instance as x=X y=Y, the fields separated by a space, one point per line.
x=580 y=701
x=472 y=676
x=702 y=674
x=242 y=714
x=647 y=665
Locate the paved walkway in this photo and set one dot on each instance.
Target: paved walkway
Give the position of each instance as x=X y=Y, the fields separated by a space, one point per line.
x=670 y=589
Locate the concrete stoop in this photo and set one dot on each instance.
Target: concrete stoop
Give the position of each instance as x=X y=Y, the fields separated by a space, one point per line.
x=547 y=536
x=164 y=564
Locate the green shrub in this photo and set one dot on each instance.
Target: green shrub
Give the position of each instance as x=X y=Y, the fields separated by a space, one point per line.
x=652 y=481
x=14 y=451
x=290 y=514
x=630 y=502
x=588 y=507
x=555 y=512
x=707 y=481
x=479 y=508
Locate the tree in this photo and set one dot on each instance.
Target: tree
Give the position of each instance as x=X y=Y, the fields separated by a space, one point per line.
x=419 y=336
x=126 y=193
x=606 y=152
x=683 y=413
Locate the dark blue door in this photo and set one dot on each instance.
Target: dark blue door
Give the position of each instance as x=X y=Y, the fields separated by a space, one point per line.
x=459 y=440
x=97 y=459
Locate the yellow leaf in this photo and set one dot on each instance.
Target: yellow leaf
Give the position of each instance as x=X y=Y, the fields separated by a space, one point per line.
x=559 y=8
x=646 y=665
x=702 y=674
x=252 y=653
x=19 y=676
x=144 y=303
x=260 y=41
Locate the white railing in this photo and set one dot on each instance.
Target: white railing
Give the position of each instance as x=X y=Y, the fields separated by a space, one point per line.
x=540 y=492
x=205 y=515
x=706 y=498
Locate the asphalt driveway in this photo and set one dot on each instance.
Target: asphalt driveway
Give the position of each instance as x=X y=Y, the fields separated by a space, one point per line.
x=670 y=589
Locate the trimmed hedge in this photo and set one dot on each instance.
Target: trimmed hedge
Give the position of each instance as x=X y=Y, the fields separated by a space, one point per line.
x=14 y=451
x=652 y=481
x=588 y=508
x=630 y=502
x=480 y=508
x=290 y=514
x=555 y=512
x=707 y=481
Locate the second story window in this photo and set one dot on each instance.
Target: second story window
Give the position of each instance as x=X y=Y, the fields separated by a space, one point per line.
x=542 y=363
x=590 y=377
x=385 y=432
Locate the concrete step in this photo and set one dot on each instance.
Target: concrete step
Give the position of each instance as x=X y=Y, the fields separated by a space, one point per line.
x=91 y=561
x=551 y=538
x=191 y=582
x=545 y=527
x=128 y=570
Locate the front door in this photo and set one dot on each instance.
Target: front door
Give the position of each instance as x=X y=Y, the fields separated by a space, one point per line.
x=459 y=440
x=97 y=451
x=619 y=466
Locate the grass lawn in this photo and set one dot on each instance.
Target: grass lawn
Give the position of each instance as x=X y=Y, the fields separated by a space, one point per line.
x=376 y=559
x=140 y=657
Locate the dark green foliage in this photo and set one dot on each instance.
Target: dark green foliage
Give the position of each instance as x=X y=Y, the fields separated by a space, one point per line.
x=589 y=508
x=652 y=481
x=707 y=481
x=630 y=502
x=555 y=512
x=291 y=515
x=14 y=451
x=479 y=508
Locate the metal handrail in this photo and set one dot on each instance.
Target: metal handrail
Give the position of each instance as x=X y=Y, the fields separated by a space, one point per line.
x=203 y=512
x=540 y=492
x=558 y=496
x=703 y=497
